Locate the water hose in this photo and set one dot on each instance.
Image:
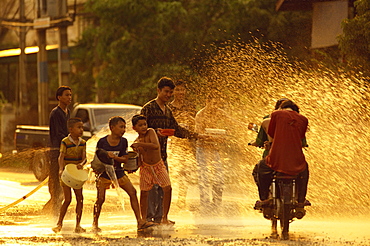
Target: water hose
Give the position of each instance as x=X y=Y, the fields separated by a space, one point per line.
x=24 y=197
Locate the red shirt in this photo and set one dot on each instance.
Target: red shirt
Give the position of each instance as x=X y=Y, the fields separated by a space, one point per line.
x=287 y=128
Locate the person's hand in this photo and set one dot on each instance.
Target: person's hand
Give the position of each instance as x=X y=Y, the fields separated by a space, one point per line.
x=135 y=146
x=159 y=132
x=131 y=171
x=205 y=137
x=267 y=145
x=80 y=166
x=111 y=155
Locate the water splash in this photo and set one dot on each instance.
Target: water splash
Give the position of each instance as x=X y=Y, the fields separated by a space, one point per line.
x=251 y=77
x=112 y=175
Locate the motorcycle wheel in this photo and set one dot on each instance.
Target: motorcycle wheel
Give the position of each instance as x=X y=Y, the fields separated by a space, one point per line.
x=284 y=221
x=274 y=232
x=40 y=165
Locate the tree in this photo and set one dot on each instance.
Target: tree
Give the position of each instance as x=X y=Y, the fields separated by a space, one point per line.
x=355 y=40
x=132 y=43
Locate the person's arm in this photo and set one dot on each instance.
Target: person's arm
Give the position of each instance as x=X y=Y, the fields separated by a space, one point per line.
x=58 y=128
x=304 y=140
x=61 y=162
x=84 y=154
x=272 y=125
x=81 y=165
x=200 y=127
x=62 y=152
x=153 y=141
x=120 y=159
x=180 y=131
x=261 y=138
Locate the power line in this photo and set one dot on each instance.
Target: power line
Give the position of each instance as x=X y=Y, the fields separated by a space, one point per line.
x=34 y=23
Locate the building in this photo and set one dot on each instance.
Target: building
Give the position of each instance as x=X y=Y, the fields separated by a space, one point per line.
x=327 y=16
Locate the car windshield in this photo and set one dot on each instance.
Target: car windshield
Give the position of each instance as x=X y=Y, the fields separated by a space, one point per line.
x=102 y=115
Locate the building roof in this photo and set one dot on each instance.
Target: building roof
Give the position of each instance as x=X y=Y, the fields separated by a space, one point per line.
x=300 y=5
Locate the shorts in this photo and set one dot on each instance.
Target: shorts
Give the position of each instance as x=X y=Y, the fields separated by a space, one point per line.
x=103 y=182
x=153 y=174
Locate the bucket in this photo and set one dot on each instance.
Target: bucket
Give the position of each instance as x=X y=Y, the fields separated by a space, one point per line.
x=101 y=159
x=73 y=177
x=132 y=163
x=168 y=132
x=213 y=131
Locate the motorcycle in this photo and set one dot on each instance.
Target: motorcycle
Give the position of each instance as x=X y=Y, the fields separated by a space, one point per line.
x=282 y=203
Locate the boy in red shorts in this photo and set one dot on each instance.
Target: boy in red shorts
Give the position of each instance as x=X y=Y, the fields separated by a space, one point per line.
x=152 y=168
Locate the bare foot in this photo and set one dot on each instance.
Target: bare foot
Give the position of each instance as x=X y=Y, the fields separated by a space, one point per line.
x=96 y=229
x=145 y=225
x=167 y=222
x=57 y=229
x=79 y=229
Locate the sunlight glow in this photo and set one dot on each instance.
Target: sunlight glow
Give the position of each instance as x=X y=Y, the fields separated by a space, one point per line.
x=28 y=50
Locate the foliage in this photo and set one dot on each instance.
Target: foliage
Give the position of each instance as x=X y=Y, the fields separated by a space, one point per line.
x=355 y=40
x=132 y=43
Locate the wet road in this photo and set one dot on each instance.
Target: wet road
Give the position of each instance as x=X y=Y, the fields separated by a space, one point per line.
x=235 y=224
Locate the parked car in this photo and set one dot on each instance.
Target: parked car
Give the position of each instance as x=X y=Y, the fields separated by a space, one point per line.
x=95 y=118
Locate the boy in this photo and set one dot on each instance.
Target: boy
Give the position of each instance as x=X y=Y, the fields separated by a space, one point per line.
x=72 y=151
x=152 y=168
x=116 y=146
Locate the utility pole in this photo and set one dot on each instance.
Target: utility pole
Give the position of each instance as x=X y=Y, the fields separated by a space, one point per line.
x=64 y=68
x=22 y=80
x=43 y=81
x=63 y=56
x=42 y=65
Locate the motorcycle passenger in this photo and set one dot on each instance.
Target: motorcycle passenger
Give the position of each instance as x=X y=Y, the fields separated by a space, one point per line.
x=287 y=128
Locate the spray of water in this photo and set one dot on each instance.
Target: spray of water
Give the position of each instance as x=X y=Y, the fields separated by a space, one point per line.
x=112 y=175
x=250 y=78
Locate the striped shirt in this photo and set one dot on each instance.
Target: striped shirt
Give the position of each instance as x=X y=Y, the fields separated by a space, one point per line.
x=156 y=118
x=73 y=153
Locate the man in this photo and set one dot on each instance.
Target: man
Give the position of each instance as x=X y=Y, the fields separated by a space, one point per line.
x=58 y=130
x=287 y=128
x=263 y=138
x=183 y=150
x=213 y=126
x=159 y=116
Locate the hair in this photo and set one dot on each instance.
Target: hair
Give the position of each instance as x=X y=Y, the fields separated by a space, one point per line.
x=114 y=120
x=165 y=81
x=60 y=91
x=72 y=121
x=290 y=104
x=136 y=118
x=279 y=102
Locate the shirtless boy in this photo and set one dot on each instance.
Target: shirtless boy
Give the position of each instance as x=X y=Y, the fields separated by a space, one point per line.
x=152 y=168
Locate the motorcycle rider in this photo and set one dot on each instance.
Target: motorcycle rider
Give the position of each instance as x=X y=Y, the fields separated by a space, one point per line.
x=263 y=138
x=287 y=129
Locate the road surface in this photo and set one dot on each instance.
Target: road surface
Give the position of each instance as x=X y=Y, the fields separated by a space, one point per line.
x=235 y=224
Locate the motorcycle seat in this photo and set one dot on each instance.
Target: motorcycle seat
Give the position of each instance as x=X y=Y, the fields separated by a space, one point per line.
x=279 y=175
